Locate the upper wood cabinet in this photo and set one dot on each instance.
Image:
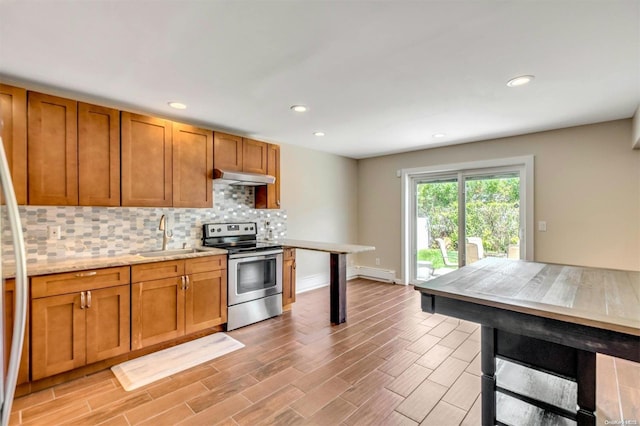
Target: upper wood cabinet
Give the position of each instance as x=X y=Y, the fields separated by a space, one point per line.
x=192 y=166
x=52 y=147
x=147 y=172
x=73 y=152
x=268 y=197
x=98 y=155
x=254 y=157
x=227 y=152
x=13 y=116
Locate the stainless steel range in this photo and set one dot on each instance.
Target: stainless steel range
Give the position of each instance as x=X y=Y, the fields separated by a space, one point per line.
x=254 y=272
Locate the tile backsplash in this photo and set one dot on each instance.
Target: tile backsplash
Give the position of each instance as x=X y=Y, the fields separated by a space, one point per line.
x=108 y=231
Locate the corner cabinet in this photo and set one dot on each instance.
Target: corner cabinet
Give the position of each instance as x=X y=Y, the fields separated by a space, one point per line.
x=13 y=129
x=288 y=278
x=79 y=318
x=173 y=298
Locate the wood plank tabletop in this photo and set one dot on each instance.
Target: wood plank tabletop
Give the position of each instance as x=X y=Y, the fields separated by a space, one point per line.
x=602 y=298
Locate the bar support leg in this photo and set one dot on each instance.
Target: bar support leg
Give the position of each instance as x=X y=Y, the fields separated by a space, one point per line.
x=488 y=382
x=586 y=378
x=338 y=288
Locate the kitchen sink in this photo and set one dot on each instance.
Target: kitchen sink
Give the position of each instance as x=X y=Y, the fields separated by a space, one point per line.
x=160 y=253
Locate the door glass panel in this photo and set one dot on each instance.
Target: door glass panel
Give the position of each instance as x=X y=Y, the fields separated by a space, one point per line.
x=436 y=233
x=256 y=275
x=492 y=216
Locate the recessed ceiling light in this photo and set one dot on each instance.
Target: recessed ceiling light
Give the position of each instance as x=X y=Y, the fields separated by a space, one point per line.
x=318 y=133
x=520 y=80
x=299 y=108
x=439 y=135
x=177 y=105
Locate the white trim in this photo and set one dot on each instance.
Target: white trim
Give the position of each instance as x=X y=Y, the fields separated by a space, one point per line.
x=526 y=163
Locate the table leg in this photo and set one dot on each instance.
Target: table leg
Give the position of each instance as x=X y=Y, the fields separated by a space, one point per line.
x=488 y=382
x=586 y=378
x=338 y=288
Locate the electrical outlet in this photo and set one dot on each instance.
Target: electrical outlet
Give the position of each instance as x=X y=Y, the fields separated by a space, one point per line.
x=377 y=261
x=53 y=232
x=542 y=226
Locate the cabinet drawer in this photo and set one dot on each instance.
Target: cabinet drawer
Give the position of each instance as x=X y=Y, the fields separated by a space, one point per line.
x=157 y=270
x=204 y=264
x=72 y=282
x=288 y=253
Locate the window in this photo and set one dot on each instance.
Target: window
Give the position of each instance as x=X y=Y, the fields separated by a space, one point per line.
x=456 y=214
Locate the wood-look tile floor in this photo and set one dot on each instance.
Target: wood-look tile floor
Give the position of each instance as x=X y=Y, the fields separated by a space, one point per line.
x=389 y=364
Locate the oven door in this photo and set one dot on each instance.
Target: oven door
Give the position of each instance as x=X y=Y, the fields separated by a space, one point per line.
x=254 y=276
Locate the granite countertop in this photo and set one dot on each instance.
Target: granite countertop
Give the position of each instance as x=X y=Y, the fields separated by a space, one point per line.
x=326 y=247
x=78 y=264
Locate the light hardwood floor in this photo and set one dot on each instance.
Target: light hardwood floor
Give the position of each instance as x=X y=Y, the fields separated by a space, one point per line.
x=389 y=364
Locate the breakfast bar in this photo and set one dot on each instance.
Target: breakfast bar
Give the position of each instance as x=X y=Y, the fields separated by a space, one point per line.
x=338 y=275
x=545 y=317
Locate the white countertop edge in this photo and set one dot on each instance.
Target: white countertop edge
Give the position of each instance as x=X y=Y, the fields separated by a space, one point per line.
x=324 y=246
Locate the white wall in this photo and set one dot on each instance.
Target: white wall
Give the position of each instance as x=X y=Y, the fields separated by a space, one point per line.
x=319 y=194
x=587 y=189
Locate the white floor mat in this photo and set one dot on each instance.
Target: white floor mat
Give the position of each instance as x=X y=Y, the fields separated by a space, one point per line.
x=158 y=365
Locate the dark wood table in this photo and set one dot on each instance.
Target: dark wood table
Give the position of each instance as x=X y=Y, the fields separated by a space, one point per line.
x=546 y=317
x=338 y=271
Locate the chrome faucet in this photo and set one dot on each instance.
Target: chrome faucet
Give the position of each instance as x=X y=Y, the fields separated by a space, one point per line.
x=166 y=234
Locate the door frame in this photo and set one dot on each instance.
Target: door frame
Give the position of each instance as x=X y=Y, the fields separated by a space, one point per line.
x=524 y=163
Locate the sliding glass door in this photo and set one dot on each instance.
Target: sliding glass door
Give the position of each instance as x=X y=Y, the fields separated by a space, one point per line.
x=460 y=217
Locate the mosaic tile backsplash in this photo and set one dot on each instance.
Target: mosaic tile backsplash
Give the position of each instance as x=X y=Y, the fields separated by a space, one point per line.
x=108 y=231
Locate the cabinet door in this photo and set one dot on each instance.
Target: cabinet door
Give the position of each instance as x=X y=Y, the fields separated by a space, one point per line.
x=146 y=161
x=254 y=156
x=53 y=150
x=108 y=323
x=288 y=277
x=157 y=311
x=58 y=335
x=206 y=300
x=192 y=166
x=9 y=316
x=98 y=155
x=268 y=197
x=13 y=116
x=227 y=152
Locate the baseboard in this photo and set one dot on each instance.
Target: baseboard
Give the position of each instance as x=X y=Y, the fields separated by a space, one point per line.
x=312 y=282
x=377 y=274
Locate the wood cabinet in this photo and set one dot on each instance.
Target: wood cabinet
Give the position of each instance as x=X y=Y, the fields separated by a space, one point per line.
x=268 y=196
x=192 y=166
x=254 y=156
x=9 y=314
x=147 y=172
x=79 y=318
x=13 y=129
x=52 y=147
x=178 y=297
x=239 y=154
x=288 y=277
x=98 y=155
x=227 y=152
x=73 y=152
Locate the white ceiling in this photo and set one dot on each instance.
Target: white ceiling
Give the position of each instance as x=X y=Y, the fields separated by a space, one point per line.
x=378 y=76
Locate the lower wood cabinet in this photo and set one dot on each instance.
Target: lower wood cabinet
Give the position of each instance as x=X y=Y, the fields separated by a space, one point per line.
x=79 y=318
x=174 y=298
x=288 y=277
x=9 y=313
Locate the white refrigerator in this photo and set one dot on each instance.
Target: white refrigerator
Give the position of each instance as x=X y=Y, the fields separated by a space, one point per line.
x=13 y=259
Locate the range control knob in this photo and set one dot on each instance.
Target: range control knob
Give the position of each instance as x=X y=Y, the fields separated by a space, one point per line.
x=219 y=229
x=246 y=229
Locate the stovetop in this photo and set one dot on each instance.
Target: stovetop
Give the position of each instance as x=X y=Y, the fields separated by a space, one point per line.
x=235 y=237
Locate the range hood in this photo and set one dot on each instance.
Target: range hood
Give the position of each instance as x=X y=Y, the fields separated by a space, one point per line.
x=242 y=178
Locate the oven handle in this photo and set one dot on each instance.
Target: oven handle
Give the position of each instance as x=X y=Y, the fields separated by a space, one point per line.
x=256 y=254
